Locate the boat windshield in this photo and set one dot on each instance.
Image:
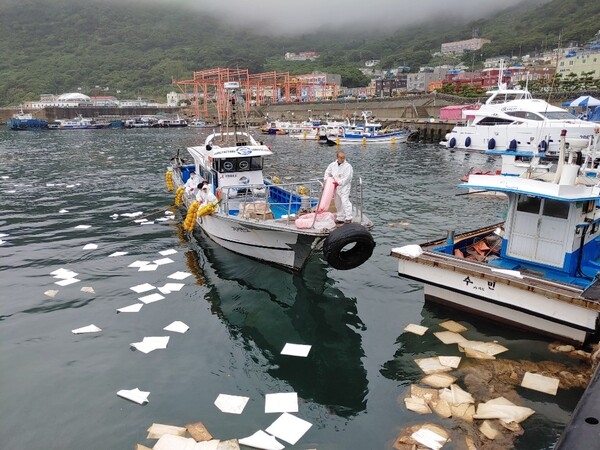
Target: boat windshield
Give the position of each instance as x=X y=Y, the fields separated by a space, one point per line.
x=238 y=164
x=527 y=115
x=559 y=115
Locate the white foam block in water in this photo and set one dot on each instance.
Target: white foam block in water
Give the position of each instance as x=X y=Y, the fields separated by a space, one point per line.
x=67 y=281
x=63 y=273
x=162 y=261
x=177 y=327
x=151 y=298
x=138 y=263
x=289 y=428
x=62 y=211
x=90 y=246
x=179 y=275
x=151 y=343
x=540 y=383
x=262 y=440
x=131 y=308
x=415 y=329
x=281 y=402
x=112 y=255
x=296 y=350
x=51 y=293
x=135 y=395
x=87 y=329
x=168 y=252
x=140 y=220
x=429 y=438
x=231 y=404
x=134 y=214
x=170 y=287
x=88 y=289
x=142 y=288
x=148 y=268
x=83 y=227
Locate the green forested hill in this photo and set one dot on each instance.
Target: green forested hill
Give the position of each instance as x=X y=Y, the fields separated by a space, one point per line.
x=55 y=46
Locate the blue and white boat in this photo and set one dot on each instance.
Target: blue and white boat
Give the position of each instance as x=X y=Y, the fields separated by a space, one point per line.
x=539 y=269
x=25 y=121
x=369 y=132
x=78 y=123
x=279 y=223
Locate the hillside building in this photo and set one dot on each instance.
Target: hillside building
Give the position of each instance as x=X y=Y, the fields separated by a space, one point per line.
x=459 y=47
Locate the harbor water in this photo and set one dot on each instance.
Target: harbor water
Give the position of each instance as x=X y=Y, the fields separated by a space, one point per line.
x=58 y=390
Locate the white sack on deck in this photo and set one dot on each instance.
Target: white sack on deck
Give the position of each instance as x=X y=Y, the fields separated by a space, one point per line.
x=412 y=251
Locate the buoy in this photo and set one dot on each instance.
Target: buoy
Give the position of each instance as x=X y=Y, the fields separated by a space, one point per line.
x=190 y=218
x=393 y=141
x=169 y=180
x=178 y=195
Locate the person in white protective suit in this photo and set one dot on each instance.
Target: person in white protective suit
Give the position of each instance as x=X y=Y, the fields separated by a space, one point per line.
x=192 y=183
x=341 y=171
x=205 y=196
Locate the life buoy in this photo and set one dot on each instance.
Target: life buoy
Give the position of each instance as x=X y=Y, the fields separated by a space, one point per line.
x=327 y=195
x=543 y=146
x=452 y=143
x=492 y=144
x=512 y=145
x=468 y=141
x=360 y=245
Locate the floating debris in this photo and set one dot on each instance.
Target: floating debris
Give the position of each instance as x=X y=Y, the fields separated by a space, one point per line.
x=438 y=380
x=67 y=281
x=481 y=350
x=135 y=395
x=179 y=275
x=449 y=337
x=415 y=329
x=451 y=325
x=51 y=293
x=429 y=435
x=262 y=440
x=87 y=329
x=289 y=428
x=160 y=262
x=90 y=247
x=83 y=227
x=432 y=365
x=157 y=430
x=296 y=350
x=198 y=431
x=281 y=402
x=112 y=255
x=540 y=383
x=455 y=396
x=63 y=211
x=168 y=252
x=170 y=287
x=177 y=327
x=138 y=289
x=63 y=273
x=88 y=289
x=131 y=308
x=503 y=409
x=149 y=344
x=151 y=298
x=138 y=263
x=148 y=268
x=231 y=404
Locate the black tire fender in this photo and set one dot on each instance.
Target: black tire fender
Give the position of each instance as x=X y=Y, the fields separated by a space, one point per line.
x=354 y=235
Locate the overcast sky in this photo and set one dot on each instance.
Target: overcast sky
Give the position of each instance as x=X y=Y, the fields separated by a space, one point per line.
x=291 y=17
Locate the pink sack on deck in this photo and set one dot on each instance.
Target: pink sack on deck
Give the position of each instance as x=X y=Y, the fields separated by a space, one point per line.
x=326 y=196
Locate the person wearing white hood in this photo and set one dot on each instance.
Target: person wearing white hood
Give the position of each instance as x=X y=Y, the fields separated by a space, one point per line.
x=342 y=172
x=204 y=195
x=191 y=183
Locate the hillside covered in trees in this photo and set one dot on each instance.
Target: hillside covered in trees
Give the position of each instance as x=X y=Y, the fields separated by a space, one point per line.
x=56 y=46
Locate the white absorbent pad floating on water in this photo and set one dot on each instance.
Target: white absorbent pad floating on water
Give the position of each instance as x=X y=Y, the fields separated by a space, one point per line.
x=412 y=251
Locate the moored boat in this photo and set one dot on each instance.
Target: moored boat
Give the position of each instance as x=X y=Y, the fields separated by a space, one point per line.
x=26 y=121
x=281 y=224
x=538 y=270
x=511 y=119
x=369 y=132
x=78 y=123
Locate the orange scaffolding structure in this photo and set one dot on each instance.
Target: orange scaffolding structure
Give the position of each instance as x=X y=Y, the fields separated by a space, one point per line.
x=207 y=87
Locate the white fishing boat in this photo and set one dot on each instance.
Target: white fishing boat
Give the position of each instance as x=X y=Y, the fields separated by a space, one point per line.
x=538 y=270
x=368 y=132
x=511 y=119
x=281 y=224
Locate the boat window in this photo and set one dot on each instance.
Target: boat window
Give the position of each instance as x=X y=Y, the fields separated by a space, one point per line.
x=529 y=204
x=494 y=121
x=528 y=115
x=556 y=208
x=256 y=163
x=243 y=164
x=559 y=115
x=227 y=165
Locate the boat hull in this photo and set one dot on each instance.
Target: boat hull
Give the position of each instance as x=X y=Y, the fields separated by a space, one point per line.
x=549 y=308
